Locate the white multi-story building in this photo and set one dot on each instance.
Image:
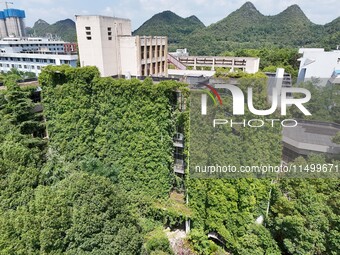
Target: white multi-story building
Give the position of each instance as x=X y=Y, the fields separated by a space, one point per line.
x=107 y=43
x=318 y=64
x=32 y=54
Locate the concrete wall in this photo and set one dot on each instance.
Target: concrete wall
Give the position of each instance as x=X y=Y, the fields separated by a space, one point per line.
x=98 y=42
x=128 y=56
x=3 y=28
x=12 y=26
x=252 y=65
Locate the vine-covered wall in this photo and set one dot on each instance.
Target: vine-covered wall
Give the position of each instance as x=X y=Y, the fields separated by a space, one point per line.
x=127 y=124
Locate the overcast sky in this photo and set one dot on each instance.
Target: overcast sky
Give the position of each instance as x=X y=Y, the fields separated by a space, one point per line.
x=208 y=11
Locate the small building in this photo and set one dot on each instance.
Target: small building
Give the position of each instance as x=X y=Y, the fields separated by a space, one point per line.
x=180 y=53
x=318 y=65
x=106 y=42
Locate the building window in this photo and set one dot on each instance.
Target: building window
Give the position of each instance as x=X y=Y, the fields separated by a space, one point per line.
x=142 y=52
x=89 y=38
x=110 y=38
x=158 y=51
x=147 y=52
x=109 y=29
x=88 y=33
x=153 y=51
x=143 y=70
x=87 y=28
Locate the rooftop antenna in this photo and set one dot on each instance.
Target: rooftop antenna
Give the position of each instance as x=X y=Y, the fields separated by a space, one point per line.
x=6 y=3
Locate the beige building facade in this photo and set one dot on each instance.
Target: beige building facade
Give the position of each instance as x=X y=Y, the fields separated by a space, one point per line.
x=107 y=43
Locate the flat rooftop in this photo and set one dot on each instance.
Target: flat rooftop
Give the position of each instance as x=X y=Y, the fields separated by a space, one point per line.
x=312 y=136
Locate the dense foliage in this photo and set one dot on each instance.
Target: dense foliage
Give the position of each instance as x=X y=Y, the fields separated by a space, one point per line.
x=304 y=215
x=20 y=75
x=81 y=214
x=97 y=180
x=324 y=103
x=244 y=28
x=55 y=201
x=127 y=125
x=271 y=58
x=300 y=215
x=223 y=204
x=254 y=30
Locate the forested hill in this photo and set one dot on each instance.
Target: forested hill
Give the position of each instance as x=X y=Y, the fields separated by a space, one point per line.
x=170 y=24
x=247 y=28
x=65 y=29
x=244 y=28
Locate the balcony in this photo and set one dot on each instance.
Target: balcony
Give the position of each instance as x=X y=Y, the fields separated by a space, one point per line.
x=179 y=140
x=179 y=166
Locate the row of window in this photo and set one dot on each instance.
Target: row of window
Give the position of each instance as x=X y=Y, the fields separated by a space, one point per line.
x=39 y=49
x=55 y=50
x=38 y=60
x=156 y=69
x=32 y=45
x=154 y=49
x=30 y=67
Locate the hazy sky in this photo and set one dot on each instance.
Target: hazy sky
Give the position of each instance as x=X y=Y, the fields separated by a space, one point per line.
x=208 y=11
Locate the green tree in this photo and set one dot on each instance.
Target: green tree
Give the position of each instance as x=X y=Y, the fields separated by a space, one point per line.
x=81 y=214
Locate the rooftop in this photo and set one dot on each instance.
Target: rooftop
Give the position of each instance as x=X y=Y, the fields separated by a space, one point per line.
x=314 y=136
x=101 y=16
